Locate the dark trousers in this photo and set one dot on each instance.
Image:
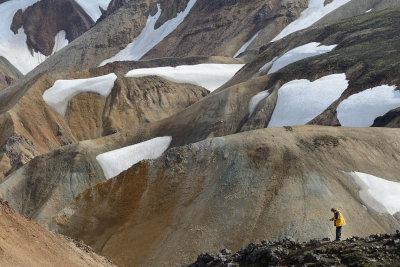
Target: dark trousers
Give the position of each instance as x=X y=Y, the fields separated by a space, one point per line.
x=338 y=233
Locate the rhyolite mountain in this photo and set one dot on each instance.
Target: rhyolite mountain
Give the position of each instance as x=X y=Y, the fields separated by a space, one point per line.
x=171 y=128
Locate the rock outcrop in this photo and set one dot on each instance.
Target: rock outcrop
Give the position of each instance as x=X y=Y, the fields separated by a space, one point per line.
x=390 y=119
x=375 y=250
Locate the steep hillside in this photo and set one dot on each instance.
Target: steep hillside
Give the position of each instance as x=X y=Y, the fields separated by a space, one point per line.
x=359 y=7
x=228 y=191
x=124 y=24
x=224 y=112
x=8 y=73
x=365 y=51
x=33 y=127
x=25 y=243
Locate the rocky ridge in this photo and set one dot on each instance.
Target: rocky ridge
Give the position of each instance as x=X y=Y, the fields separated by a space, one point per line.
x=375 y=250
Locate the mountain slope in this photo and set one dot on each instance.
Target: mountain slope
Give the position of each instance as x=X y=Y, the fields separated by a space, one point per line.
x=25 y=243
x=131 y=102
x=190 y=93
x=228 y=191
x=219 y=114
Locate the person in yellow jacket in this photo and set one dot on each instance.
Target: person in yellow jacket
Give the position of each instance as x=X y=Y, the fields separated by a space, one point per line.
x=339 y=222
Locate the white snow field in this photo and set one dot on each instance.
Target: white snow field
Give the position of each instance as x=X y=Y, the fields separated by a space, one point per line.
x=374 y=189
x=209 y=76
x=299 y=53
x=244 y=47
x=255 y=100
x=13 y=46
x=116 y=161
x=63 y=91
x=149 y=36
x=300 y=101
x=315 y=11
x=92 y=7
x=360 y=110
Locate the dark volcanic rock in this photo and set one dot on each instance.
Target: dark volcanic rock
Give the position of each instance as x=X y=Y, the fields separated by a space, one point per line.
x=390 y=119
x=43 y=20
x=376 y=250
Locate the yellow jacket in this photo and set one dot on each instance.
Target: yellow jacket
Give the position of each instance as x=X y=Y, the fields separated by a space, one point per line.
x=338 y=219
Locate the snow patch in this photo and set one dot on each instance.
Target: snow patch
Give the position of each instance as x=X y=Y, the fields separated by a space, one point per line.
x=117 y=161
x=385 y=192
x=59 y=41
x=300 y=101
x=360 y=110
x=299 y=53
x=255 y=100
x=92 y=7
x=268 y=64
x=316 y=10
x=209 y=76
x=244 y=47
x=149 y=36
x=63 y=91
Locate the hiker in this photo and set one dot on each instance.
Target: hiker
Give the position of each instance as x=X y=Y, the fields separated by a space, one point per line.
x=338 y=221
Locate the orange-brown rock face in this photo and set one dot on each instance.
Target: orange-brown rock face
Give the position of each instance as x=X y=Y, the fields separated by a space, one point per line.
x=228 y=191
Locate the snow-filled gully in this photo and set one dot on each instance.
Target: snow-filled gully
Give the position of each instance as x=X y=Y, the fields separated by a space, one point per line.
x=300 y=101
x=360 y=110
x=209 y=76
x=116 y=161
x=316 y=10
x=149 y=36
x=59 y=95
x=379 y=194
